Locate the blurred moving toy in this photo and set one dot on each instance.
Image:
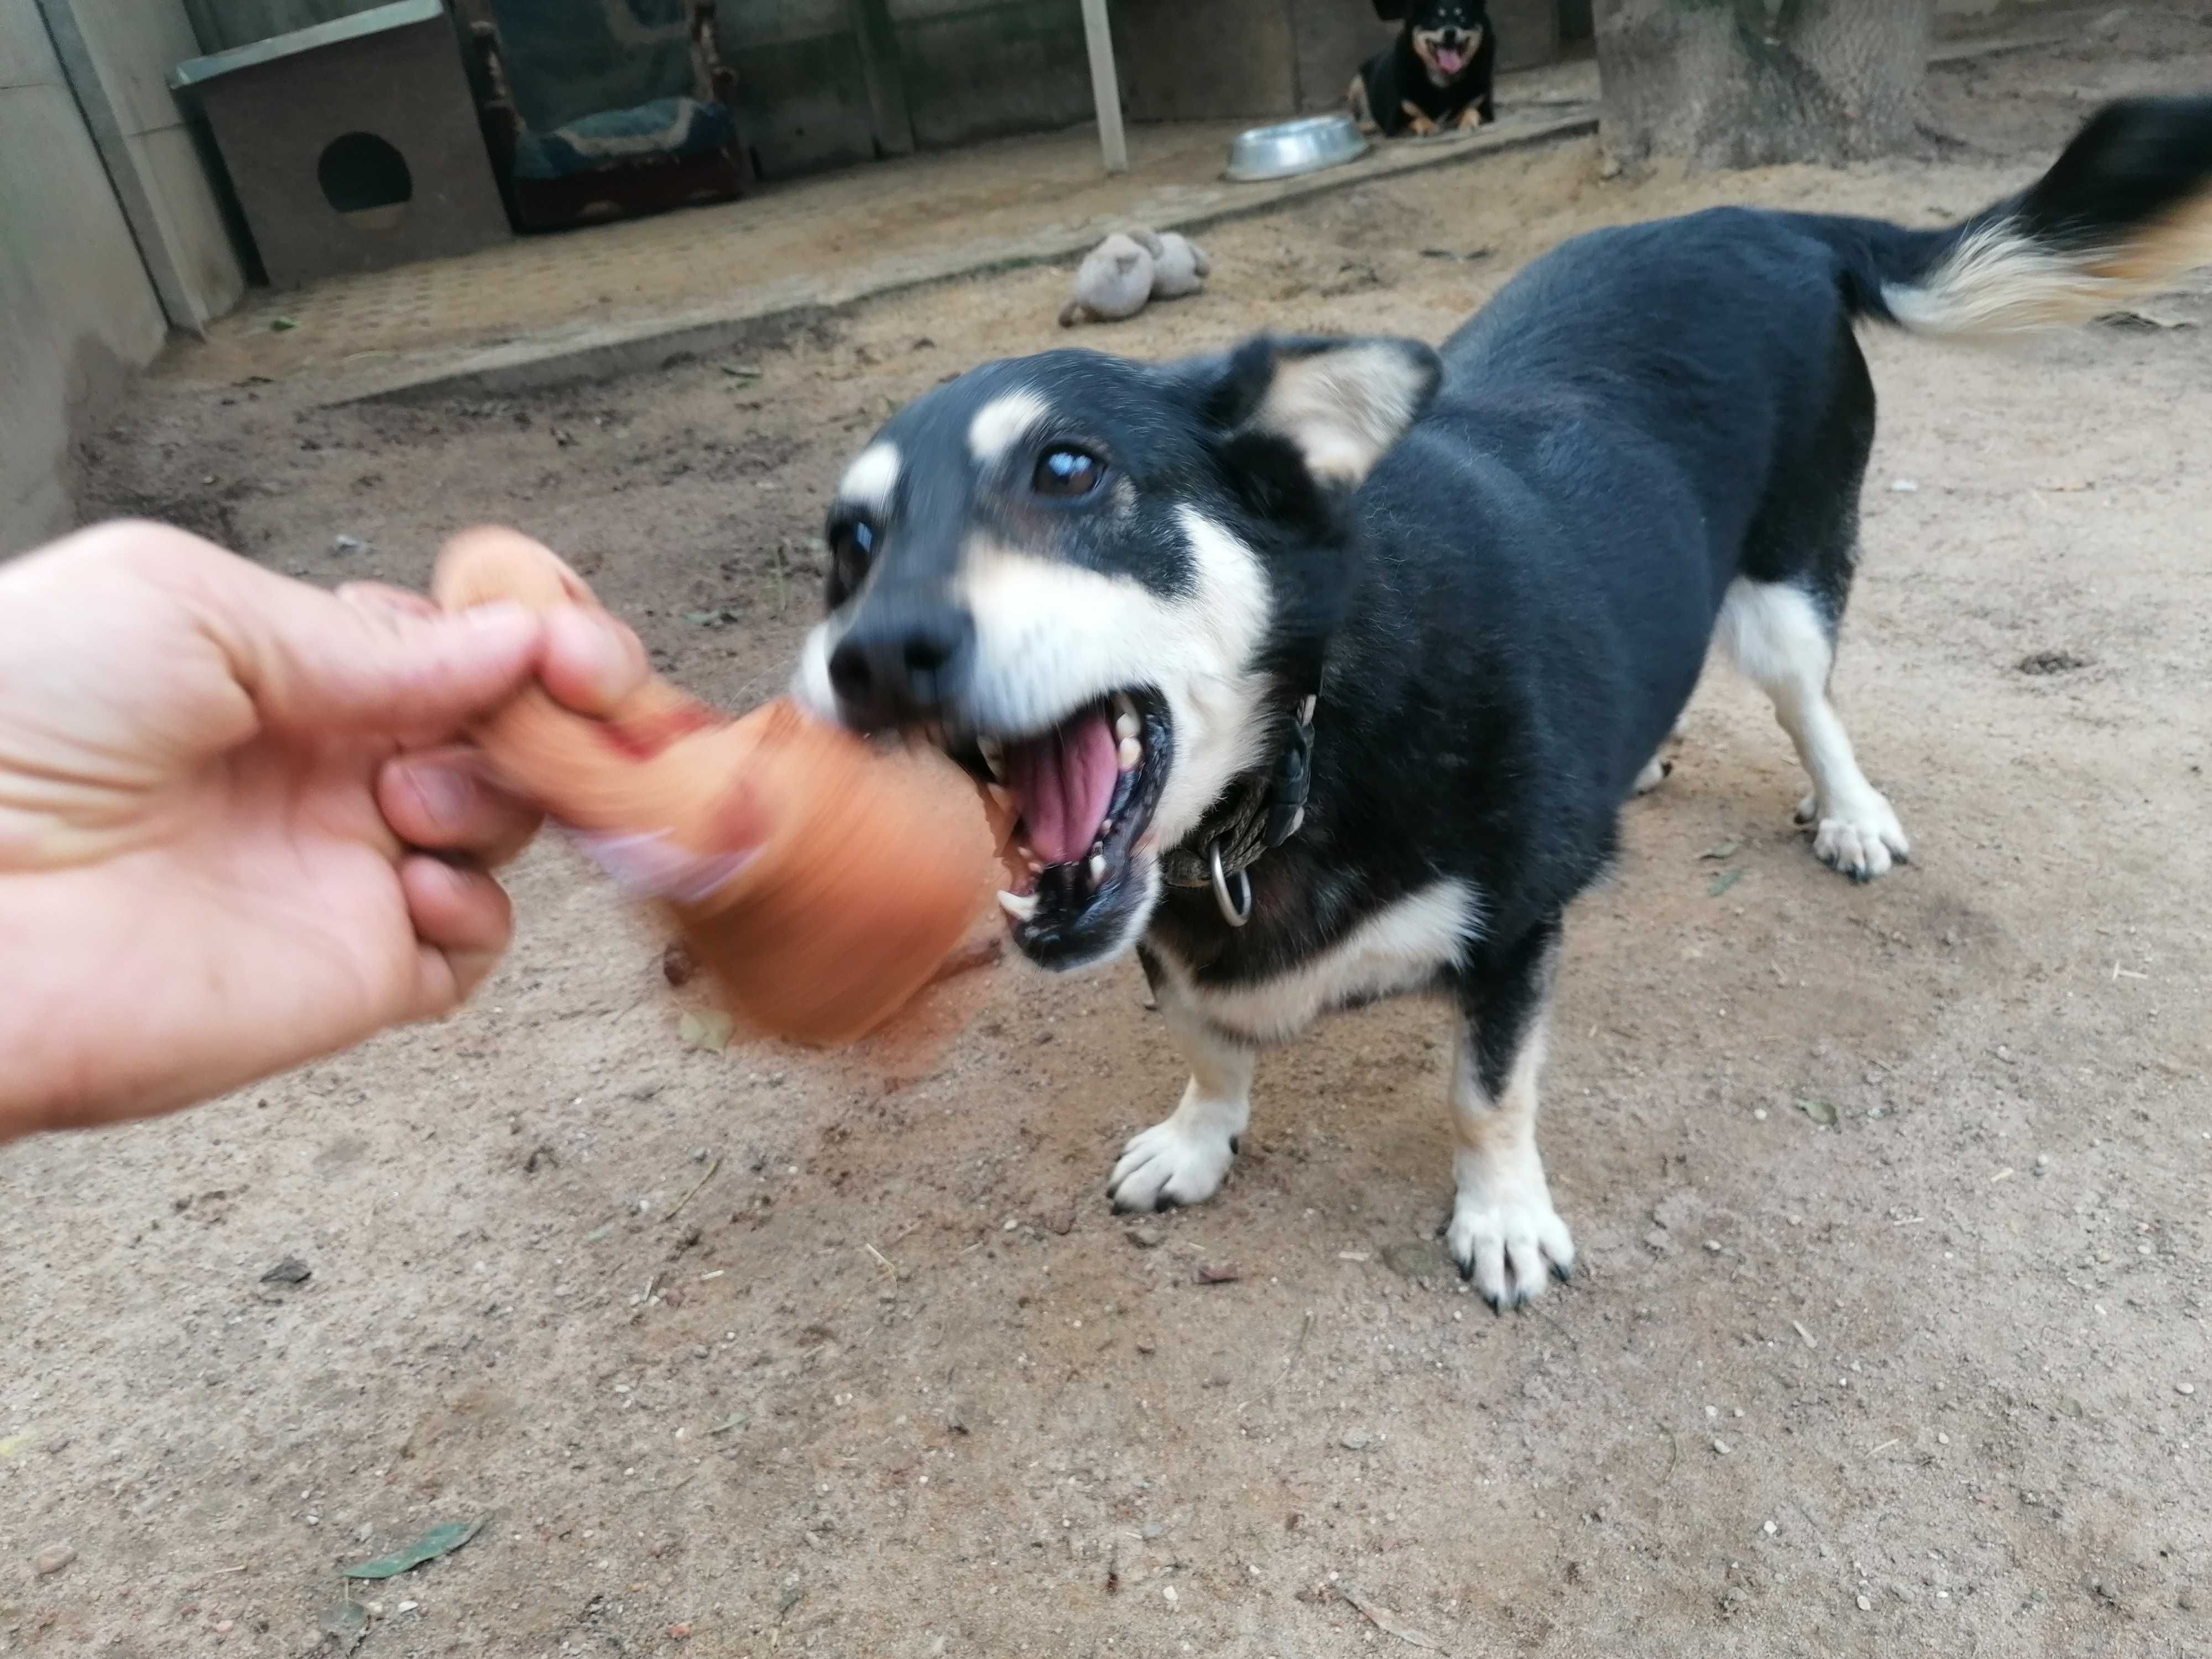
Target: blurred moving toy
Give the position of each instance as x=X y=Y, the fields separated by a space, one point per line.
x=1130 y=269
x=822 y=882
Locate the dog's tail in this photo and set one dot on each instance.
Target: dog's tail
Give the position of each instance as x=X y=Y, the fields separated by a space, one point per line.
x=2127 y=207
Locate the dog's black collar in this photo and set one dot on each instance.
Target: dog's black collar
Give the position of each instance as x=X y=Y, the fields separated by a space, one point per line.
x=1259 y=813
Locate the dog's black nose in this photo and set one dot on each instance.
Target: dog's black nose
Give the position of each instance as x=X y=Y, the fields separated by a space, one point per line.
x=901 y=660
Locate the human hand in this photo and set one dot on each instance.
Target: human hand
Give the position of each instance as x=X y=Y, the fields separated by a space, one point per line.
x=237 y=829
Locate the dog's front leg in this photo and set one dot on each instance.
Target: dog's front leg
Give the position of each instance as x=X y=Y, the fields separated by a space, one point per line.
x=1503 y=1232
x=1417 y=120
x=1182 y=1158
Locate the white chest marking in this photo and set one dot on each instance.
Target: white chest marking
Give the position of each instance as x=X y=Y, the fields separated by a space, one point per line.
x=1399 y=948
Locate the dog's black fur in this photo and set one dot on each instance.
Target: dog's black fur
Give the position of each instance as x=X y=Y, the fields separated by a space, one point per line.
x=1404 y=87
x=1647 y=428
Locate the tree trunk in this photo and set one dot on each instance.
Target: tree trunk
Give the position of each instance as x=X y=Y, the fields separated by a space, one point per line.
x=1743 y=83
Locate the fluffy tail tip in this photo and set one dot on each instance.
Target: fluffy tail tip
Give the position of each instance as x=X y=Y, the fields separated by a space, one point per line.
x=2127 y=207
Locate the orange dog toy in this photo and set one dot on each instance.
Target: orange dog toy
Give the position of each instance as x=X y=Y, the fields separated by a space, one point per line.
x=823 y=884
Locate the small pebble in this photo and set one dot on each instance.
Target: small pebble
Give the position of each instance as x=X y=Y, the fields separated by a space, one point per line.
x=1169 y=1593
x=1759 y=1113
x=1942 y=1439
x=2184 y=1388
x=1865 y=1606
x=1770 y=1528
x=1147 y=1237
x=1357 y=1440
x=1011 y=1223
x=408 y=1606
x=224 y=1626
x=52 y=1558
x=1721 y=1446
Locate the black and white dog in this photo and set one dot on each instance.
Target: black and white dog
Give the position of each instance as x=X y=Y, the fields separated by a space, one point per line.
x=1437 y=75
x=1320 y=670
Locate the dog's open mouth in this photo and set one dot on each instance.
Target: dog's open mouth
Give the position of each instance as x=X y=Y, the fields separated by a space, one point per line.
x=1450 y=60
x=1085 y=790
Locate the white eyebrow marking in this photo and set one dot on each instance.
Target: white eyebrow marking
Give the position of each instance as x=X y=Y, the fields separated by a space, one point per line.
x=869 y=480
x=1003 y=423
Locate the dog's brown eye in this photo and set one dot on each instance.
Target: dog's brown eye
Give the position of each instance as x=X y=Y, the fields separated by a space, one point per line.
x=1061 y=470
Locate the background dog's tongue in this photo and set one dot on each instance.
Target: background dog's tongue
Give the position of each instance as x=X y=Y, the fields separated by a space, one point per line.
x=1450 y=62
x=1063 y=782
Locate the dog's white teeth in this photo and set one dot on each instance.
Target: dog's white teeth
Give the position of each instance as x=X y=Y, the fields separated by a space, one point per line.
x=1022 y=907
x=1097 y=868
x=1124 y=706
x=993 y=751
x=1002 y=797
x=1126 y=724
x=1105 y=829
x=1131 y=752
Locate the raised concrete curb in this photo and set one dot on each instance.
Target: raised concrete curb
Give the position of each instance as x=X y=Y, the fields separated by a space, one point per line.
x=767 y=314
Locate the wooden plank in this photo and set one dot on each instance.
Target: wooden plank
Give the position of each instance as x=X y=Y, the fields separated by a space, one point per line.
x=1105 y=85
x=879 y=63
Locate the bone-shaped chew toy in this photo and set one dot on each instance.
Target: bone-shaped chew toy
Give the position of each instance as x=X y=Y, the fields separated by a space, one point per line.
x=823 y=883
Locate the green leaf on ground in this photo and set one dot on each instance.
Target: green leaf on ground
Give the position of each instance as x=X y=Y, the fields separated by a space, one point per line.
x=1723 y=882
x=1818 y=1110
x=439 y=1540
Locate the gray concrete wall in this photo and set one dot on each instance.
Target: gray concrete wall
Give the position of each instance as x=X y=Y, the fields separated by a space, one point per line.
x=132 y=45
x=78 y=313
x=222 y=24
x=963 y=70
x=984 y=68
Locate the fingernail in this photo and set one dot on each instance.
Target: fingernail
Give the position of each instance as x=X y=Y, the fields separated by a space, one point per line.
x=598 y=649
x=610 y=657
x=444 y=795
x=500 y=616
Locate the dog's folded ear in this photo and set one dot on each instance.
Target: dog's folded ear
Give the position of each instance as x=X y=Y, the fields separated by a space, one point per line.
x=1339 y=402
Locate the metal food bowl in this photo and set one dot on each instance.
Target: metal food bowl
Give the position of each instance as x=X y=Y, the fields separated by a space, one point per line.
x=1290 y=148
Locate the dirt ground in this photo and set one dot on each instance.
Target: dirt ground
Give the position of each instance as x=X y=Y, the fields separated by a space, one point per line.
x=1892 y=1201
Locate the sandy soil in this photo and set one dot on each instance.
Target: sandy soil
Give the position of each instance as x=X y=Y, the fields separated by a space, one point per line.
x=1931 y=1377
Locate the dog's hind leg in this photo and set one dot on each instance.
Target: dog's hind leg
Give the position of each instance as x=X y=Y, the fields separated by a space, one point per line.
x=1782 y=640
x=1182 y=1158
x=1355 y=99
x=1504 y=1233
x=1779 y=617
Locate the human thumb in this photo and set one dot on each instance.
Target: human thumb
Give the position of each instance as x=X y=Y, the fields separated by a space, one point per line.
x=313 y=663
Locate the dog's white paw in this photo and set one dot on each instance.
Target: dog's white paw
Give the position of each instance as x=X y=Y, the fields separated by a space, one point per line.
x=1655 y=772
x=1174 y=1162
x=1506 y=1237
x=1861 y=838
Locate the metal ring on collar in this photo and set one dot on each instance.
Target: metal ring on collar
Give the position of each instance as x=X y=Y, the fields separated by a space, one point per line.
x=1232 y=912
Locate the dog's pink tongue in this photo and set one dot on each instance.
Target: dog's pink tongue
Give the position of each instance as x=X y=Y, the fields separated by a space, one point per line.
x=1450 y=62
x=1063 y=782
